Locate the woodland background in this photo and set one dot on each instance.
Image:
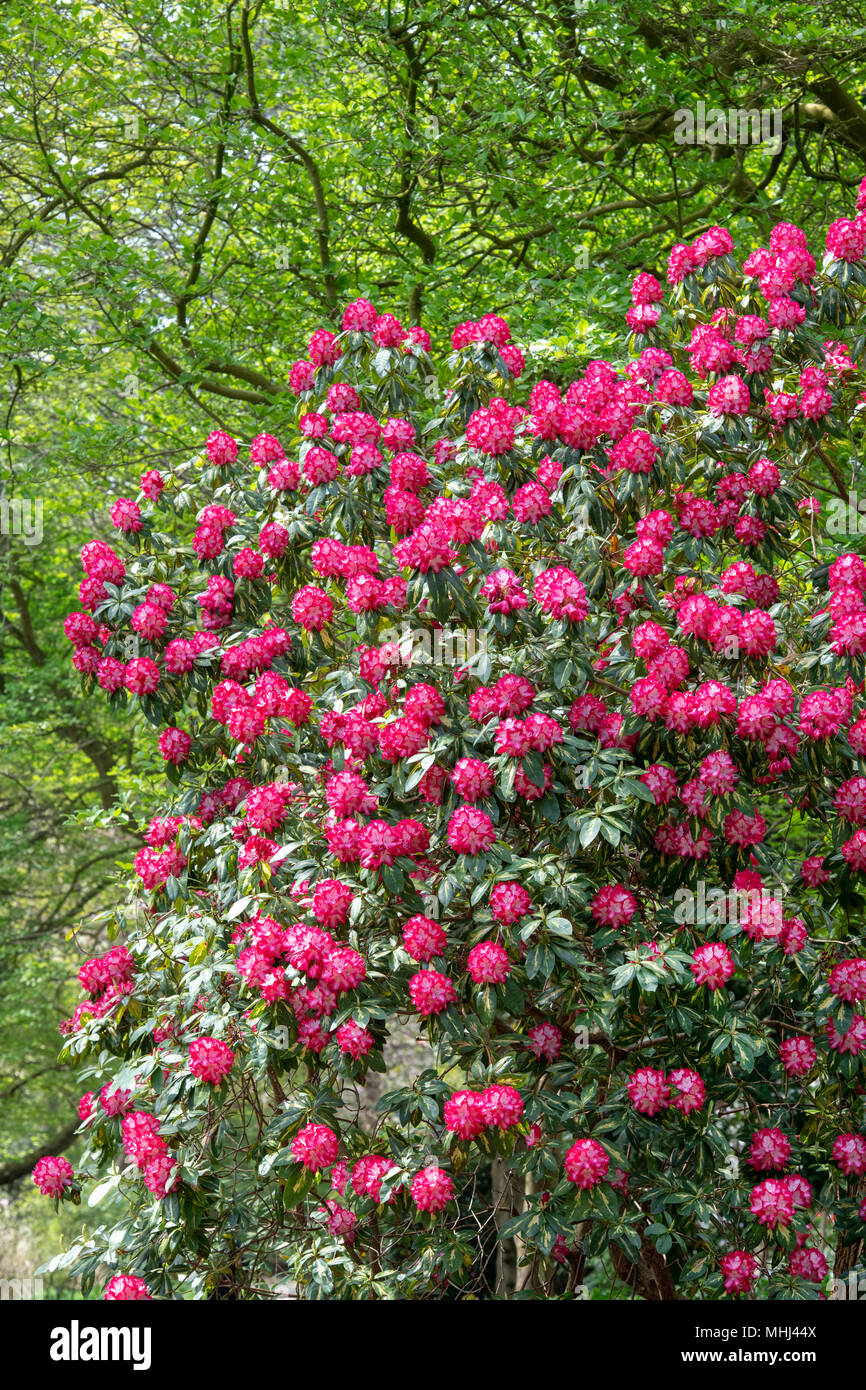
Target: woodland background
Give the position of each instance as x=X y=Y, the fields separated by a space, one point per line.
x=187 y=190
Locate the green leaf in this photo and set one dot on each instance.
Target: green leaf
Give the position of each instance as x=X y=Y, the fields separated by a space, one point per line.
x=485 y=1003
x=589 y=830
x=102 y=1189
x=297 y=1185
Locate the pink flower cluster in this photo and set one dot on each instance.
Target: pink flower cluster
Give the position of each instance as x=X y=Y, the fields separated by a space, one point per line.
x=150 y=1153
x=467 y=1113
x=210 y=1060
x=651 y=1091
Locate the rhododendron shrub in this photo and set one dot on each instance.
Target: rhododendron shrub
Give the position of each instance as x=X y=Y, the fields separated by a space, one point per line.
x=528 y=722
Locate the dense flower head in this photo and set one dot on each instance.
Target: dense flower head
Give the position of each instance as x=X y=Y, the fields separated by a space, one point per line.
x=360 y=316
x=316 y=1147
x=740 y=1270
x=502 y=1106
x=344 y=969
x=127 y=1287
x=769 y=1149
x=661 y=781
x=848 y=980
x=649 y=1091
x=488 y=963
x=808 y=1263
x=52 y=1176
x=126 y=515
x=312 y=608
x=613 y=906
x=800 y=1190
x=504 y=592
x=849 y=1153
x=432 y=1189
x=464 y=1114
x=729 y=396
x=162 y=1174
x=473 y=779
x=492 y=430
x=431 y=992
x=509 y=902
x=470 y=831
x=174 y=745
x=115 y=1101
x=635 y=452
x=586 y=1163
x=115 y=968
x=210 y=1060
x=141 y=1137
x=424 y=938
x=688 y=1091
x=712 y=964
x=798 y=1055
x=771 y=1203
x=221 y=448
x=368 y=1175
x=558 y=591
x=846 y=239
x=331 y=902
x=545 y=1041
x=354 y=1039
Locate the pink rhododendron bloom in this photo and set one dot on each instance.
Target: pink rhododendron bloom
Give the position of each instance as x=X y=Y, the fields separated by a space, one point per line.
x=432 y=1189
x=808 y=1263
x=315 y=1146
x=649 y=1091
x=545 y=1041
x=688 y=1090
x=712 y=964
x=509 y=902
x=849 y=1153
x=126 y=515
x=771 y=1203
x=354 y=1039
x=464 y=1114
x=424 y=938
x=502 y=1106
x=586 y=1163
x=431 y=992
x=848 y=980
x=470 y=831
x=161 y=1174
x=613 y=906
x=175 y=745
x=740 y=1270
x=127 y=1287
x=52 y=1176
x=799 y=1055
x=488 y=963
x=210 y=1060
x=769 y=1149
